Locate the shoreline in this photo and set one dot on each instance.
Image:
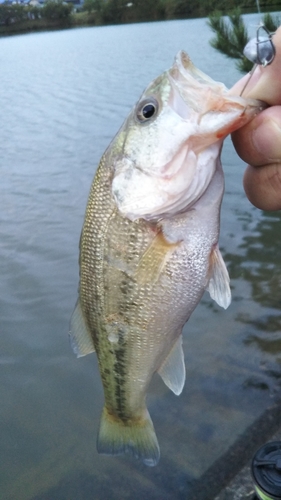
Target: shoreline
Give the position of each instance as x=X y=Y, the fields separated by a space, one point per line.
x=78 y=20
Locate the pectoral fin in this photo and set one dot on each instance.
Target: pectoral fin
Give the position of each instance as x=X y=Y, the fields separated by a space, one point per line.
x=218 y=286
x=80 y=337
x=154 y=259
x=172 y=370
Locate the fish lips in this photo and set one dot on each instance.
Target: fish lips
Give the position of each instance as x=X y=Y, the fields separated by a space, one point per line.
x=217 y=107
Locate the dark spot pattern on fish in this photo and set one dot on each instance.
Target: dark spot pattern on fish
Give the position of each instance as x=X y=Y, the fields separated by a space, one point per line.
x=120 y=375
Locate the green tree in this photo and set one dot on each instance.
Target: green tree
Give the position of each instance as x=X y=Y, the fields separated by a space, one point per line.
x=12 y=13
x=149 y=10
x=112 y=11
x=181 y=9
x=57 y=11
x=92 y=5
x=34 y=12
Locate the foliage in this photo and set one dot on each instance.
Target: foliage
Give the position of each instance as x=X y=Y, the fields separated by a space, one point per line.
x=232 y=35
x=271 y=22
x=57 y=11
x=126 y=11
x=34 y=12
x=11 y=13
x=18 y=14
x=92 y=5
x=182 y=9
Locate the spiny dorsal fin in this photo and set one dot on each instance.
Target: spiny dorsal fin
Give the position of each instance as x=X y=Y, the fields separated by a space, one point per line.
x=218 y=286
x=80 y=337
x=154 y=259
x=172 y=370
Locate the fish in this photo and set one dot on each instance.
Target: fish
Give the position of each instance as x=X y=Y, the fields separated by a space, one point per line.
x=149 y=246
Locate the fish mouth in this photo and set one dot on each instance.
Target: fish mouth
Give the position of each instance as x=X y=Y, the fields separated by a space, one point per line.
x=194 y=87
x=192 y=91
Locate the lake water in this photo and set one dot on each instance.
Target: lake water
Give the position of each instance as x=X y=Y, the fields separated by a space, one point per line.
x=63 y=96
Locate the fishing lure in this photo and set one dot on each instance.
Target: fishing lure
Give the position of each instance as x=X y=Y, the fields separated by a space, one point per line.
x=260 y=50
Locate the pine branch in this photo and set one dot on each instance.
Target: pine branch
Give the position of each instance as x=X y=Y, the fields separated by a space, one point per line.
x=271 y=23
x=232 y=35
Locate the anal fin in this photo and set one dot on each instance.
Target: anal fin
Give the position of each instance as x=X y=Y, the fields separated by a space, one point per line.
x=80 y=337
x=172 y=370
x=218 y=286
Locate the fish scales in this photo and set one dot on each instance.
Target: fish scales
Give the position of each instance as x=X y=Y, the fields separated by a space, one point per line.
x=149 y=246
x=128 y=311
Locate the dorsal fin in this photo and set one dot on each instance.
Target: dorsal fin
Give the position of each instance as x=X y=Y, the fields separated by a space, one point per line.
x=172 y=370
x=218 y=286
x=80 y=337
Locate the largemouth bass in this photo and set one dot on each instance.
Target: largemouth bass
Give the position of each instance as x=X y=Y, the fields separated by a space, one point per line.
x=149 y=246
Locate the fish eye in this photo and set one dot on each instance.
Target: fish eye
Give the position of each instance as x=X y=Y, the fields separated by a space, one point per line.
x=147 y=109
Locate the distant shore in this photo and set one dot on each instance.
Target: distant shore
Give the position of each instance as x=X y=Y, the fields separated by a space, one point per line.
x=82 y=19
x=78 y=19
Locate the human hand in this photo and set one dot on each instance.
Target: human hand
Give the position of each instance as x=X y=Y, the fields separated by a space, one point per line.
x=259 y=142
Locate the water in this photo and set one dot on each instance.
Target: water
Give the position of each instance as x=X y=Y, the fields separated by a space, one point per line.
x=63 y=96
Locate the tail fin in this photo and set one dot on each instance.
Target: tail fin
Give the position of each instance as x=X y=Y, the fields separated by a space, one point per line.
x=135 y=438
